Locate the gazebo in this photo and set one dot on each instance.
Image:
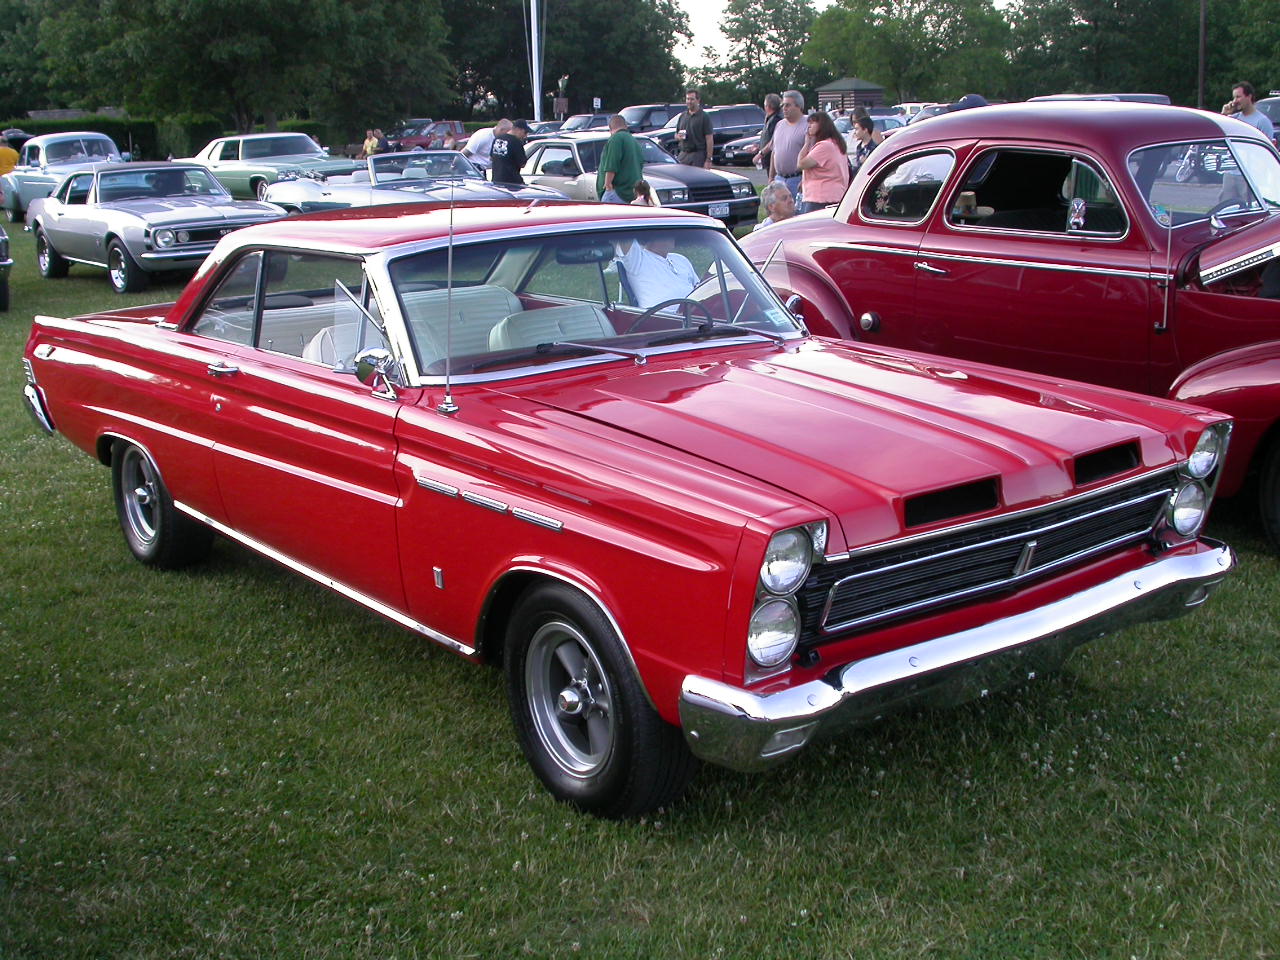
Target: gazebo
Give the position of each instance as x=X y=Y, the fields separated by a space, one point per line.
x=849 y=93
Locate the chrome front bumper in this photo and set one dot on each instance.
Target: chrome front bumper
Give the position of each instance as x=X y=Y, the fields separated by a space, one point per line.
x=742 y=730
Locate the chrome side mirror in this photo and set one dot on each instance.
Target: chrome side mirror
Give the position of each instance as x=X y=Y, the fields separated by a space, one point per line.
x=793 y=306
x=377 y=368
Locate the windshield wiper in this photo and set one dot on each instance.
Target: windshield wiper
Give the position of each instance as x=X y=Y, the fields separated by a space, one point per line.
x=559 y=348
x=715 y=329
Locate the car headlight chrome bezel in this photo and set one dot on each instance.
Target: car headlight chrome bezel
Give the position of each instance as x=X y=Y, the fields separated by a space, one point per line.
x=1188 y=508
x=773 y=633
x=787 y=561
x=1207 y=454
x=744 y=189
x=164 y=237
x=675 y=195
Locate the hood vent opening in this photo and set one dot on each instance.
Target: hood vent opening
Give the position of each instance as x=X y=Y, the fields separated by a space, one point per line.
x=961 y=501
x=1092 y=467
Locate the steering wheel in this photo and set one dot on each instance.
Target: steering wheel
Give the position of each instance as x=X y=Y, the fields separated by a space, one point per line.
x=690 y=306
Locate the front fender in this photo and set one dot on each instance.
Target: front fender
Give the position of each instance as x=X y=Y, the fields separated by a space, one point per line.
x=1244 y=384
x=824 y=310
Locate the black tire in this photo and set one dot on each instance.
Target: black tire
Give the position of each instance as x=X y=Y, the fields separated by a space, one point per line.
x=4 y=294
x=259 y=188
x=580 y=713
x=48 y=260
x=123 y=271
x=1269 y=494
x=156 y=533
x=13 y=214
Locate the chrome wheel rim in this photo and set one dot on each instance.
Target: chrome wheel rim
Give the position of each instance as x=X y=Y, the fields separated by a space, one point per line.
x=42 y=252
x=140 y=496
x=116 y=269
x=570 y=699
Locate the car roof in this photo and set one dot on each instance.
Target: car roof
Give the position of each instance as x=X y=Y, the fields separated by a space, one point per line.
x=1116 y=125
x=263 y=136
x=142 y=166
x=371 y=229
x=66 y=135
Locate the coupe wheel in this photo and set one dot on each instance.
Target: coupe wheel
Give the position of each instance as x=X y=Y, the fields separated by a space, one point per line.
x=259 y=189
x=581 y=715
x=1269 y=494
x=157 y=534
x=50 y=262
x=126 y=276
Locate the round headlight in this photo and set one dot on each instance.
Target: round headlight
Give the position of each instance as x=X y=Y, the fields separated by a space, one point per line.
x=184 y=236
x=773 y=633
x=1187 y=509
x=1204 y=458
x=786 y=561
x=164 y=238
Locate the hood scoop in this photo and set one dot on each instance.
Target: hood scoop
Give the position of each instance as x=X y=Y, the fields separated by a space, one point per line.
x=1101 y=464
x=961 y=501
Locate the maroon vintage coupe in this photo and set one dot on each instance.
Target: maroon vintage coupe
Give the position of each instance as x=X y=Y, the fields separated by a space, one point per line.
x=1125 y=244
x=590 y=444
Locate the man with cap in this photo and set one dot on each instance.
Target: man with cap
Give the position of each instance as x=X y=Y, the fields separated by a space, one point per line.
x=507 y=153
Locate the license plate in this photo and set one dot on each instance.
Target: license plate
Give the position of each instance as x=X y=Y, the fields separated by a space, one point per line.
x=718 y=210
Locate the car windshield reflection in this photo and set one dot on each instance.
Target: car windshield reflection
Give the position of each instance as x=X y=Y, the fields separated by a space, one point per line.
x=1191 y=181
x=142 y=184
x=579 y=296
x=396 y=168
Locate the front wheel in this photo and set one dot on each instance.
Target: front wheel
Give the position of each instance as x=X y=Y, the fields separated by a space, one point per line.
x=581 y=715
x=125 y=274
x=51 y=263
x=1269 y=494
x=157 y=534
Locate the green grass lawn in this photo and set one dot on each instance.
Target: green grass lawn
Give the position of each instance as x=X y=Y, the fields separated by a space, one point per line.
x=231 y=762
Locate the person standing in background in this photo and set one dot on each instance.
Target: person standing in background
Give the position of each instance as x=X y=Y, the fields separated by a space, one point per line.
x=621 y=164
x=824 y=165
x=694 y=133
x=788 y=141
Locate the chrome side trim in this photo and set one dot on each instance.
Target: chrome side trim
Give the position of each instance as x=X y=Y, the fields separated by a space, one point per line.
x=438 y=486
x=497 y=506
x=520 y=513
x=745 y=731
x=377 y=606
x=993 y=261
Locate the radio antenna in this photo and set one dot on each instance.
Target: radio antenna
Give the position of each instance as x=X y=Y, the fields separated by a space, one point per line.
x=447 y=406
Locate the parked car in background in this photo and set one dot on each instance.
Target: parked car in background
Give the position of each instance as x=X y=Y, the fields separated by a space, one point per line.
x=135 y=219
x=248 y=164
x=1126 y=97
x=883 y=124
x=738 y=153
x=1063 y=238
x=569 y=164
x=684 y=528
x=577 y=123
x=643 y=117
x=727 y=123
x=544 y=126
x=428 y=134
x=928 y=111
x=45 y=160
x=415 y=177
x=6 y=264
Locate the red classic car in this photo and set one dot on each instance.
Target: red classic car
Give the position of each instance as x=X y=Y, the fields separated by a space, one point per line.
x=589 y=443
x=1125 y=244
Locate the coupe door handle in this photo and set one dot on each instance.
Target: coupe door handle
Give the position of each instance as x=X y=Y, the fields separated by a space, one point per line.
x=926 y=267
x=222 y=369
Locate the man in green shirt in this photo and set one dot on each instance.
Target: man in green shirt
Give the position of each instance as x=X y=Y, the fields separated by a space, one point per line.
x=621 y=165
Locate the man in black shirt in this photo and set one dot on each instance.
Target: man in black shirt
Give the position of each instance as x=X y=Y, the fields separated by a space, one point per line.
x=693 y=133
x=507 y=155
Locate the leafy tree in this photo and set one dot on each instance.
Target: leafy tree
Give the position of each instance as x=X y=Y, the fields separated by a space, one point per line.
x=766 y=38
x=916 y=49
x=21 y=79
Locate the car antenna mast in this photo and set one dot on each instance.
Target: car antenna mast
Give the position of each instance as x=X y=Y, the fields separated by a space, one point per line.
x=447 y=406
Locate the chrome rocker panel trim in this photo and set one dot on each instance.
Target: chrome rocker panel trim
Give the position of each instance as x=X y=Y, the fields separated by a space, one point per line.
x=736 y=728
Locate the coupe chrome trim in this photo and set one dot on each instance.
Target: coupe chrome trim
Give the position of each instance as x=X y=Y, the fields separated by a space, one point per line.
x=497 y=506
x=520 y=513
x=439 y=486
x=745 y=731
x=915 y=252
x=377 y=606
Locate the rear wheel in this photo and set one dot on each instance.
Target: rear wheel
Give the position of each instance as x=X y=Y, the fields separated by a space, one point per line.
x=50 y=262
x=157 y=534
x=125 y=274
x=1269 y=494
x=13 y=214
x=582 y=717
x=259 y=188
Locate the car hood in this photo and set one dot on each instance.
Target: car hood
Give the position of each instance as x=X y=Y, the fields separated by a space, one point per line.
x=411 y=191
x=305 y=161
x=686 y=175
x=858 y=433
x=1241 y=249
x=167 y=211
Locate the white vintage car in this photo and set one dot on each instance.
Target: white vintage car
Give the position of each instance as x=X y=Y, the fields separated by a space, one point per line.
x=45 y=160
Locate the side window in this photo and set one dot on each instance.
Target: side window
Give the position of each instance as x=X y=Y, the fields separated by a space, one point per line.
x=77 y=188
x=557 y=162
x=906 y=190
x=531 y=163
x=306 y=314
x=31 y=156
x=589 y=155
x=230 y=311
x=230 y=150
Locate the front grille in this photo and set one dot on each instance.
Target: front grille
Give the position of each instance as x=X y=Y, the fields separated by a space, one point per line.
x=211 y=233
x=926 y=574
x=716 y=191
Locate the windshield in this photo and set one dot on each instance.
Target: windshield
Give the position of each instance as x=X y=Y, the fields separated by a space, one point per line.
x=650 y=152
x=523 y=301
x=80 y=150
x=421 y=165
x=287 y=145
x=577 y=122
x=174 y=182
x=1186 y=182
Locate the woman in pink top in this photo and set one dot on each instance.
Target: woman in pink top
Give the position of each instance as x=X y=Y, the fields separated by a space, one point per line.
x=824 y=167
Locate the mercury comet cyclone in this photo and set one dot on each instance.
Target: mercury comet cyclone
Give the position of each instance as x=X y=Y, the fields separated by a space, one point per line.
x=568 y=163
x=45 y=160
x=588 y=443
x=248 y=164
x=135 y=219
x=419 y=176
x=1127 y=244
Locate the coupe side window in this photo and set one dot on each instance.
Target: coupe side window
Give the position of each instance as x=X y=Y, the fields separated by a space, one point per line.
x=230 y=311
x=906 y=190
x=557 y=162
x=1038 y=191
x=77 y=189
x=230 y=150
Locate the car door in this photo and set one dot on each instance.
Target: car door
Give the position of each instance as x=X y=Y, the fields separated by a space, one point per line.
x=1030 y=262
x=304 y=452
x=224 y=161
x=68 y=219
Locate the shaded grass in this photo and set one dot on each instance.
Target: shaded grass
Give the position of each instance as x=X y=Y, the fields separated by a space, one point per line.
x=231 y=762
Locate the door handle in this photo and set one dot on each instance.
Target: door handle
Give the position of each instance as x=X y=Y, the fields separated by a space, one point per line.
x=925 y=267
x=222 y=369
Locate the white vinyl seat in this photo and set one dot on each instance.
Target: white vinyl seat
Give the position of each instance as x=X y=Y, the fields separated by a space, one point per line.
x=360 y=175
x=457 y=323
x=551 y=325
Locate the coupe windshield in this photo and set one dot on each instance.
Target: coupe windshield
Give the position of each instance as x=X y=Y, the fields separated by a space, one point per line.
x=286 y=145
x=518 y=302
x=80 y=150
x=1187 y=182
x=174 y=182
x=421 y=165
